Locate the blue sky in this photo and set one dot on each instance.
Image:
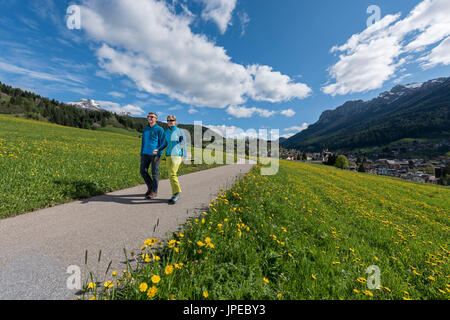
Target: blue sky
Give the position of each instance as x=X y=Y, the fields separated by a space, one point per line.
x=228 y=63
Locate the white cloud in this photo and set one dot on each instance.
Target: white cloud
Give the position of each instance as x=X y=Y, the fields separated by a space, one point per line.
x=175 y=108
x=297 y=129
x=439 y=55
x=11 y=68
x=243 y=112
x=244 y=20
x=288 y=113
x=135 y=111
x=192 y=111
x=141 y=95
x=117 y=108
x=403 y=77
x=219 y=11
x=116 y=94
x=154 y=47
x=273 y=86
x=372 y=57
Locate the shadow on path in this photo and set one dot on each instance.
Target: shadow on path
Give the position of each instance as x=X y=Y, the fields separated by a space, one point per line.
x=124 y=199
x=87 y=191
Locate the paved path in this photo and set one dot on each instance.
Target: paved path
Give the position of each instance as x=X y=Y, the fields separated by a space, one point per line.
x=37 y=248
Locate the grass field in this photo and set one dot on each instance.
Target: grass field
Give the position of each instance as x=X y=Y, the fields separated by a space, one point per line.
x=309 y=232
x=43 y=164
x=4 y=99
x=112 y=129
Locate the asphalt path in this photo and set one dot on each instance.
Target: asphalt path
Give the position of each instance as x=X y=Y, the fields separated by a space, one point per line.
x=41 y=252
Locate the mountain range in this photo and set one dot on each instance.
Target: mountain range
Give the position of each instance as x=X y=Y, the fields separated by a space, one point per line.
x=87 y=104
x=417 y=110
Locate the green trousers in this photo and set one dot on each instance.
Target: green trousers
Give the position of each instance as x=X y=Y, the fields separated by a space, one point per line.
x=173 y=164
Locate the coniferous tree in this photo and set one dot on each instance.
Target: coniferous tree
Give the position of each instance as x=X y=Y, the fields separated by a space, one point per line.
x=361 y=168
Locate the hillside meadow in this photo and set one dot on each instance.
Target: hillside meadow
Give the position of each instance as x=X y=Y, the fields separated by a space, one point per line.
x=309 y=232
x=43 y=164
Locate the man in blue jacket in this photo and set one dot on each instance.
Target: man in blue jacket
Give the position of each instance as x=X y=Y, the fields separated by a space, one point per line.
x=152 y=139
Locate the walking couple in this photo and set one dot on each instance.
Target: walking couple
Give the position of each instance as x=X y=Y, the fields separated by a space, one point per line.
x=154 y=141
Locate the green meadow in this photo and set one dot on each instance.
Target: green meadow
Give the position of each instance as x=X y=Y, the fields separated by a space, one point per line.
x=309 y=232
x=43 y=165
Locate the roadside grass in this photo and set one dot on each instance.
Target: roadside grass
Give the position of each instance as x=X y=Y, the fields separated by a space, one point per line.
x=309 y=232
x=43 y=165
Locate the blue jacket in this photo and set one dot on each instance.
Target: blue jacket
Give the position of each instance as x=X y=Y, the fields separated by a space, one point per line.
x=175 y=142
x=152 y=139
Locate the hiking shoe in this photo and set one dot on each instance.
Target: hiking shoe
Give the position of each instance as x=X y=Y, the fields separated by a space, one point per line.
x=151 y=195
x=147 y=193
x=175 y=198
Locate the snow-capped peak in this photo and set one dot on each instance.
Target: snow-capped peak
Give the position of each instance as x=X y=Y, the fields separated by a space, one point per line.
x=87 y=104
x=414 y=85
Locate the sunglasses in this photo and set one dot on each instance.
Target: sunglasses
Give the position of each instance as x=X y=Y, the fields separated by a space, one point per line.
x=171 y=120
x=152 y=117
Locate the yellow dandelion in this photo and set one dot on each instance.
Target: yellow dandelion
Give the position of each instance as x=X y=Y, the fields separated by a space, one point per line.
x=143 y=287
x=152 y=292
x=200 y=244
x=155 y=279
x=205 y=294
x=368 y=293
x=361 y=280
x=168 y=270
